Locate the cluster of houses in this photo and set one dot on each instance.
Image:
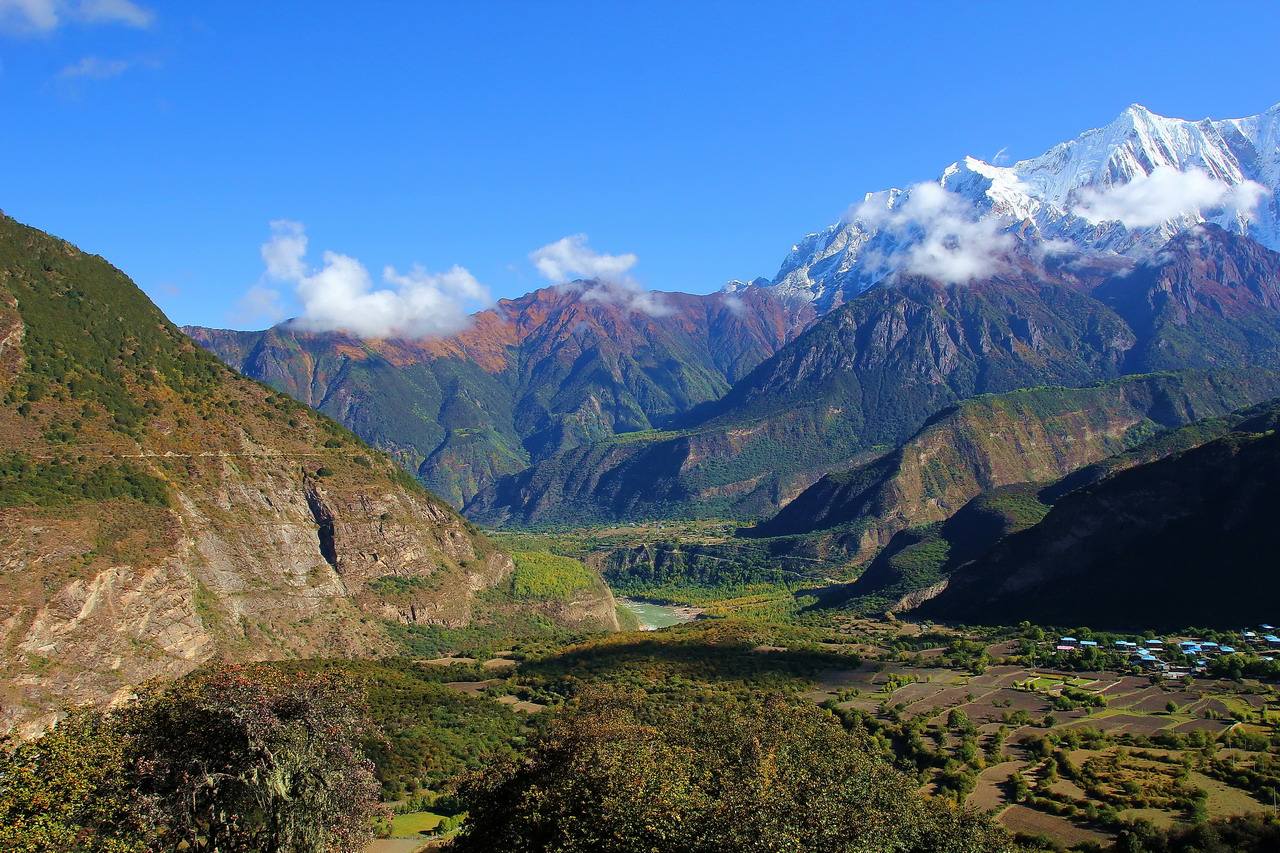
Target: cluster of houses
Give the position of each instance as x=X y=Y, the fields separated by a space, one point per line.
x=1192 y=655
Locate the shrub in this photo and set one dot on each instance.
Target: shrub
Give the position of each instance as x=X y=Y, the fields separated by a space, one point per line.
x=46 y=483
x=236 y=759
x=621 y=772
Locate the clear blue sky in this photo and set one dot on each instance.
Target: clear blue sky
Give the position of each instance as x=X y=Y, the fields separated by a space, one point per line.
x=703 y=137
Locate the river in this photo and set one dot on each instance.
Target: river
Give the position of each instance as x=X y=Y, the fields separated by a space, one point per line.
x=653 y=616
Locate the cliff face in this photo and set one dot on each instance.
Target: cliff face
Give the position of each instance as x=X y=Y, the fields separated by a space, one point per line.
x=261 y=564
x=590 y=609
x=157 y=510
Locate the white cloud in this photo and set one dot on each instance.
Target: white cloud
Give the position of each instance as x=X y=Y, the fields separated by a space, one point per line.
x=340 y=295
x=115 y=12
x=283 y=254
x=734 y=304
x=570 y=257
x=1052 y=247
x=627 y=295
x=28 y=15
x=259 y=306
x=1165 y=194
x=93 y=68
x=932 y=232
x=45 y=16
x=651 y=303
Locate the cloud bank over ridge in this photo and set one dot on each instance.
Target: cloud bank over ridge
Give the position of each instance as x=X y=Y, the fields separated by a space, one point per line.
x=340 y=295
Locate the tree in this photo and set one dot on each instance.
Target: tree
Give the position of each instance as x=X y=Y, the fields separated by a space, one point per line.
x=958 y=721
x=229 y=760
x=1241 y=834
x=620 y=772
x=66 y=791
x=249 y=759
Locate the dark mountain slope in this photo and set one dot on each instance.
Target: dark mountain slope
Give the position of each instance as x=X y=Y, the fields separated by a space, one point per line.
x=1208 y=299
x=1185 y=540
x=915 y=563
x=1260 y=418
x=900 y=352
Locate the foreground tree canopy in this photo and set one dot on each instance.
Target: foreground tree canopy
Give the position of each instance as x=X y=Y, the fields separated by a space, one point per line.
x=233 y=760
x=618 y=773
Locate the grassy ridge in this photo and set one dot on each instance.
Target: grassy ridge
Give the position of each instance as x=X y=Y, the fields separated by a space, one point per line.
x=90 y=335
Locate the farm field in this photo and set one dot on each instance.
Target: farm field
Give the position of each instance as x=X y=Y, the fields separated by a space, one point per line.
x=1064 y=753
x=1063 y=758
x=414 y=823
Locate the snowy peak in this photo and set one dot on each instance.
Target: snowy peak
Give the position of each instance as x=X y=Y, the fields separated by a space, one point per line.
x=1126 y=187
x=1135 y=144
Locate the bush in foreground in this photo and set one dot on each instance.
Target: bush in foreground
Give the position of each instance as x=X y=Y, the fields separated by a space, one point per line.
x=232 y=760
x=618 y=773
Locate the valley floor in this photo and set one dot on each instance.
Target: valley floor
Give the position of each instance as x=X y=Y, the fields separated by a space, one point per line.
x=1064 y=755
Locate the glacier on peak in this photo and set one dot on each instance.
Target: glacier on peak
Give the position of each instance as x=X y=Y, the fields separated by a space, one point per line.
x=1125 y=187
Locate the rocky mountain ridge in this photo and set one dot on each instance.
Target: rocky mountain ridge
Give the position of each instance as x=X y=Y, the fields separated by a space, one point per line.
x=870 y=373
x=555 y=369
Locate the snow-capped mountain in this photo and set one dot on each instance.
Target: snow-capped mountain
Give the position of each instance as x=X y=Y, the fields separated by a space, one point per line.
x=1124 y=188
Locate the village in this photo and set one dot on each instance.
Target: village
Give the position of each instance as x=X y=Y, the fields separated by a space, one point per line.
x=1175 y=656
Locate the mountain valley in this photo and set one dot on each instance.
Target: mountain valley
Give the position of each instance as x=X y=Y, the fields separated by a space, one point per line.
x=955 y=535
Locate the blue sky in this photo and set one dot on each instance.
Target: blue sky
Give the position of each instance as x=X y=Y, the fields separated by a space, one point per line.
x=703 y=138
